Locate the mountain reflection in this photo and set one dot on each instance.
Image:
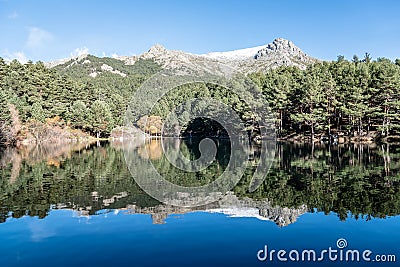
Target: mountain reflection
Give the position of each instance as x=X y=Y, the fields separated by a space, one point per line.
x=358 y=179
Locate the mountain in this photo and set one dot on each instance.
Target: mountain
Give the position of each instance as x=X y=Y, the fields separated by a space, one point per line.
x=280 y=52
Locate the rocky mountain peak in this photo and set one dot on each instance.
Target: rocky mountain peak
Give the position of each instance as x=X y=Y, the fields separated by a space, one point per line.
x=156 y=50
x=283 y=48
x=281 y=44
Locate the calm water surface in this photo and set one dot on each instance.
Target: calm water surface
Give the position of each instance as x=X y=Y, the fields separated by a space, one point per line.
x=79 y=205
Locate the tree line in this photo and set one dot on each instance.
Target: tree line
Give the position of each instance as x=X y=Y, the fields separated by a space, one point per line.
x=358 y=98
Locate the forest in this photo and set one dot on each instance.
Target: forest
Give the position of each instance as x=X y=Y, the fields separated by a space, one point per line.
x=41 y=96
x=354 y=97
x=357 y=99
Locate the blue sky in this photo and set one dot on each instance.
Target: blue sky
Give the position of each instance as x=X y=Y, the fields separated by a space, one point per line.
x=48 y=30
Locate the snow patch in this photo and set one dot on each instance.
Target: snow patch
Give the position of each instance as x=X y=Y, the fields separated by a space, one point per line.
x=235 y=54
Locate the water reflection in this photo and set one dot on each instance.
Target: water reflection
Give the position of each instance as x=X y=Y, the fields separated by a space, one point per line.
x=362 y=181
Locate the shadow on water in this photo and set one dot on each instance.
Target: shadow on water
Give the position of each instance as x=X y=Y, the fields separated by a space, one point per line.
x=360 y=180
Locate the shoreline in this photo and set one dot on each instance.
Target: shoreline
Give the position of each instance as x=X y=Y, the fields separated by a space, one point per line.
x=67 y=136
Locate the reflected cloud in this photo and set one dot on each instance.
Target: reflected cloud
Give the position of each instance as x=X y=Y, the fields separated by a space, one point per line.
x=40 y=230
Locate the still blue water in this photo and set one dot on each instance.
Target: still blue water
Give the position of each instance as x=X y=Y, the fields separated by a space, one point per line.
x=192 y=239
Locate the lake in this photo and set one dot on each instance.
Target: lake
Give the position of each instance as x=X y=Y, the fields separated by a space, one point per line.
x=80 y=205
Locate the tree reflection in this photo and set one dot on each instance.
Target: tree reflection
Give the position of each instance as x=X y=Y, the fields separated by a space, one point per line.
x=359 y=179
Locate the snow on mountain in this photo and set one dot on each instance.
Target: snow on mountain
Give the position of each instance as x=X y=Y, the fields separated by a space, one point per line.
x=239 y=54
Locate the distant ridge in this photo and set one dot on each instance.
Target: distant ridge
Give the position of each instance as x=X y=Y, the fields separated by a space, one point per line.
x=280 y=52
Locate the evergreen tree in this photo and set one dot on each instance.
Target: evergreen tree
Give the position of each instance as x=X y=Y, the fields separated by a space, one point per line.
x=100 y=118
x=386 y=77
x=4 y=113
x=312 y=111
x=37 y=112
x=78 y=115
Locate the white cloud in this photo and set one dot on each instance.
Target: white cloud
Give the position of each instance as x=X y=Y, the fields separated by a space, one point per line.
x=38 y=37
x=80 y=52
x=9 y=56
x=13 y=15
x=115 y=55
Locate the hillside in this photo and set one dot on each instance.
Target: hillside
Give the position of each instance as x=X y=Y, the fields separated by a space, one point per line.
x=89 y=65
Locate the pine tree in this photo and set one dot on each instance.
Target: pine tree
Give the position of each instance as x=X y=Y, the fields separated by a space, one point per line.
x=37 y=112
x=4 y=113
x=386 y=78
x=357 y=97
x=312 y=111
x=78 y=115
x=100 y=118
